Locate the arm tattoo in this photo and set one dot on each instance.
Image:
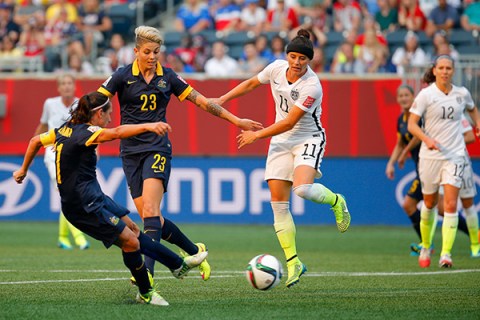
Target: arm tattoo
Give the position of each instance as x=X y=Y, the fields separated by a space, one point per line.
x=211 y=107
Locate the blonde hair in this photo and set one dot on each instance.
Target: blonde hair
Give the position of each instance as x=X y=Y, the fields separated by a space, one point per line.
x=63 y=76
x=145 y=34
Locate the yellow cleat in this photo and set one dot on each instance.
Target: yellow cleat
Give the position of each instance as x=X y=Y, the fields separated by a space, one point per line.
x=204 y=267
x=295 y=270
x=342 y=215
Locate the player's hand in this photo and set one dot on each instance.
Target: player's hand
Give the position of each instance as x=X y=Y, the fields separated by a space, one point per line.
x=216 y=101
x=390 y=171
x=249 y=125
x=245 y=138
x=477 y=131
x=160 y=128
x=432 y=144
x=19 y=175
x=402 y=159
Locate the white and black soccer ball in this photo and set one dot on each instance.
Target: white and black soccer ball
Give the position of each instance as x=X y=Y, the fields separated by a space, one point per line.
x=264 y=272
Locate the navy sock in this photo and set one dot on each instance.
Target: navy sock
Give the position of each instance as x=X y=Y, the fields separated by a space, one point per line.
x=153 y=228
x=159 y=252
x=415 y=218
x=172 y=234
x=462 y=224
x=134 y=262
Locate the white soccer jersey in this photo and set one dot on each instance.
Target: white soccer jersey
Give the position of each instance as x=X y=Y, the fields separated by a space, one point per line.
x=442 y=116
x=306 y=93
x=54 y=114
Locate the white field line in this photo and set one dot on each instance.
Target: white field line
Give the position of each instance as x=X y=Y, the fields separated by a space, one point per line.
x=223 y=274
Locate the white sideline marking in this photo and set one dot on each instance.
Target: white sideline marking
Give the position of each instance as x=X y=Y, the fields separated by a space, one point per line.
x=225 y=274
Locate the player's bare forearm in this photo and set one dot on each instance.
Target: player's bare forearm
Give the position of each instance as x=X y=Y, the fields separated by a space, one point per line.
x=30 y=154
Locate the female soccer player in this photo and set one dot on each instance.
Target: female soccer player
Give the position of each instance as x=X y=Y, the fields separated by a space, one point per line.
x=83 y=202
x=442 y=153
x=144 y=89
x=297 y=146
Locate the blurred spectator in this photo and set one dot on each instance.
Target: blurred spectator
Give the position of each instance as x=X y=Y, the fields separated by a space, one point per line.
x=317 y=64
x=54 y=9
x=346 y=15
x=32 y=38
x=193 y=16
x=317 y=26
x=410 y=55
x=410 y=16
x=11 y=54
x=26 y=10
x=226 y=16
x=176 y=64
x=470 y=19
x=369 y=8
x=186 y=52
x=281 y=18
x=94 y=24
x=277 y=46
x=202 y=52
x=305 y=8
x=79 y=66
x=441 y=45
x=253 y=17
x=60 y=41
x=372 y=55
x=116 y=56
x=7 y=26
x=220 y=64
x=369 y=24
x=427 y=6
x=252 y=63
x=386 y=17
x=344 y=60
x=443 y=17
x=263 y=49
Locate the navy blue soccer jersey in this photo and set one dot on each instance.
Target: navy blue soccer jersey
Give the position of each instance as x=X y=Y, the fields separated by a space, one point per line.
x=406 y=136
x=143 y=103
x=76 y=159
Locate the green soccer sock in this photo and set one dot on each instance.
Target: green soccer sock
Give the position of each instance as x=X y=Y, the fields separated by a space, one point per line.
x=472 y=223
x=285 y=229
x=449 y=231
x=427 y=225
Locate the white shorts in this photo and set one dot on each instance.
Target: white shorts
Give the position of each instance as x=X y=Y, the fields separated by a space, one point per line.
x=49 y=161
x=434 y=173
x=285 y=156
x=468 y=189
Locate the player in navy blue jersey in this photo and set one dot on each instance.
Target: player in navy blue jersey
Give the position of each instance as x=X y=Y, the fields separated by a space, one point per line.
x=83 y=202
x=144 y=89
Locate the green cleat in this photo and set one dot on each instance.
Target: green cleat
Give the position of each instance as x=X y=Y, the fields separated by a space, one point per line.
x=204 y=267
x=150 y=277
x=295 y=271
x=189 y=262
x=64 y=243
x=152 y=297
x=342 y=216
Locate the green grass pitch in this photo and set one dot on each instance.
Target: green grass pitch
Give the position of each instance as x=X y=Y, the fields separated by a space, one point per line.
x=366 y=273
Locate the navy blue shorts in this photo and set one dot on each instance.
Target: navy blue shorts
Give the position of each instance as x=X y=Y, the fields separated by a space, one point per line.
x=415 y=191
x=141 y=166
x=103 y=224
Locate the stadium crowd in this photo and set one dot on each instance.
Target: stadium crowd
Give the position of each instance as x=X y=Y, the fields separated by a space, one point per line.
x=350 y=36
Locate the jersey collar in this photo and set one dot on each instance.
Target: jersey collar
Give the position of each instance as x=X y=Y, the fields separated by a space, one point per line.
x=136 y=69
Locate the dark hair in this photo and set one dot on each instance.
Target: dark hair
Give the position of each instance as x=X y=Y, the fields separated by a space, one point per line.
x=406 y=86
x=87 y=105
x=301 y=44
x=429 y=77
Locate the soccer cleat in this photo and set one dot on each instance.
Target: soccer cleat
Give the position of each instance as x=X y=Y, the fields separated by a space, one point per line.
x=204 y=267
x=475 y=254
x=150 y=277
x=64 y=243
x=189 y=262
x=415 y=249
x=84 y=246
x=295 y=271
x=342 y=216
x=424 y=258
x=152 y=297
x=445 y=261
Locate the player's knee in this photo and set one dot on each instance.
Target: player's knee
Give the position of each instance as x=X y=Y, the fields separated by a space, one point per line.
x=303 y=191
x=131 y=243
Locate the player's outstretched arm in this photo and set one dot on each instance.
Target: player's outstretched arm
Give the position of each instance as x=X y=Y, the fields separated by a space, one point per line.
x=130 y=130
x=215 y=109
x=33 y=146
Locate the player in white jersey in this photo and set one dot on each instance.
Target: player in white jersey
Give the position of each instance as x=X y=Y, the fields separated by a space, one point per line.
x=443 y=155
x=297 y=146
x=56 y=112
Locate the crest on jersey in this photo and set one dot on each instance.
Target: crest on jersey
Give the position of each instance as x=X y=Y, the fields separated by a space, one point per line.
x=93 y=129
x=294 y=94
x=459 y=100
x=162 y=84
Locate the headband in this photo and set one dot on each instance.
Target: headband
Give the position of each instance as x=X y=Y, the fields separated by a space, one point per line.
x=103 y=105
x=443 y=56
x=300 y=48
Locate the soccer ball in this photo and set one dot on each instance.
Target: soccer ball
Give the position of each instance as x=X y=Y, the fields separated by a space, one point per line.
x=264 y=272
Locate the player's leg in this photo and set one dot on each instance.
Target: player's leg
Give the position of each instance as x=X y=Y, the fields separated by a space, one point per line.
x=467 y=194
x=63 y=240
x=79 y=238
x=285 y=228
x=410 y=206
